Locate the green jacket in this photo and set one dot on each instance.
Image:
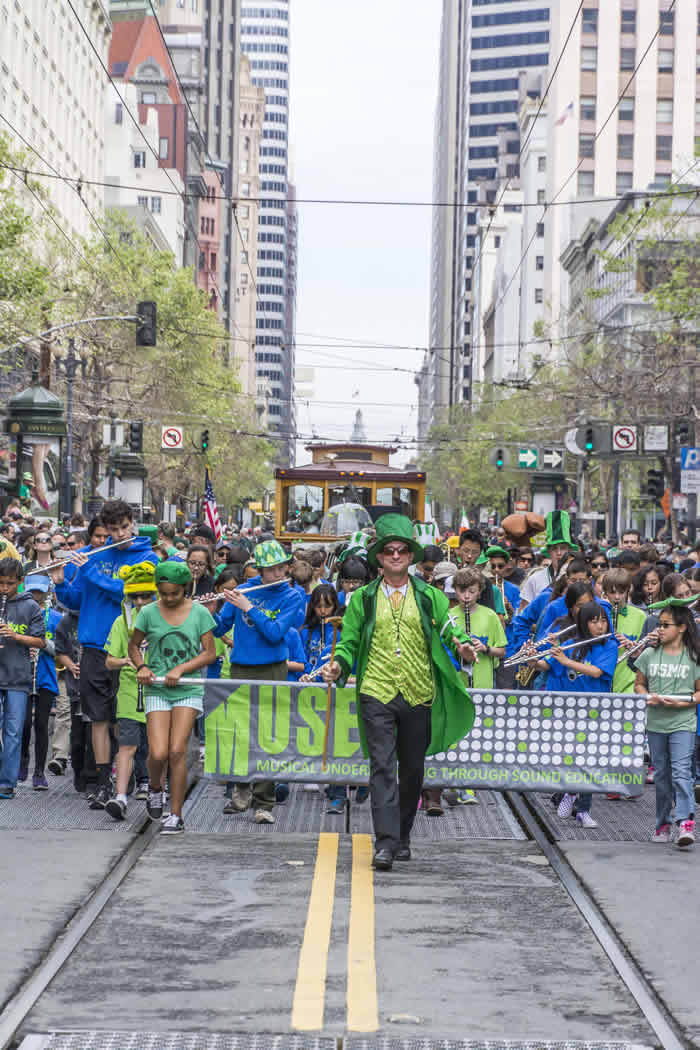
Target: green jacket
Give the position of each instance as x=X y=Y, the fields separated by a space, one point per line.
x=452 y=713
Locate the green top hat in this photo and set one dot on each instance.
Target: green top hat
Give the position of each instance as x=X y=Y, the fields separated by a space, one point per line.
x=269 y=553
x=394 y=527
x=558 y=525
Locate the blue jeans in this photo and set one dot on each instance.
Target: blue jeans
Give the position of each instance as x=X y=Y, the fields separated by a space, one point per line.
x=672 y=757
x=14 y=709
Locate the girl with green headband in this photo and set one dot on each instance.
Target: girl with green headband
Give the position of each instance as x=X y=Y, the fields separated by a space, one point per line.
x=180 y=642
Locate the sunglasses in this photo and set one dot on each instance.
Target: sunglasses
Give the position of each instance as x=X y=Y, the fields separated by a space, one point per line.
x=599 y=565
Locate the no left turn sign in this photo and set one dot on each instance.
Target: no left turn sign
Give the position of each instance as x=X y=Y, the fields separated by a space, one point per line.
x=624 y=439
x=171 y=438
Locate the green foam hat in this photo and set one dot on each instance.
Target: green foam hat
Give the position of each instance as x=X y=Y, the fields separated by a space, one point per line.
x=558 y=525
x=139 y=578
x=394 y=528
x=270 y=553
x=682 y=603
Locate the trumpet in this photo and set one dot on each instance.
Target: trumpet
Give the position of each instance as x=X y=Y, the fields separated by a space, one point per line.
x=528 y=651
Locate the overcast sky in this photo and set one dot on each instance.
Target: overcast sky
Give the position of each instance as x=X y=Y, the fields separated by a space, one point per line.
x=363 y=89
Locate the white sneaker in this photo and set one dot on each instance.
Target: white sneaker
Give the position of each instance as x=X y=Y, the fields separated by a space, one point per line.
x=172 y=825
x=586 y=820
x=264 y=816
x=312 y=787
x=566 y=806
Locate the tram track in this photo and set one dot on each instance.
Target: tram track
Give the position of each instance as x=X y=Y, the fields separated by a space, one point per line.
x=664 y=1026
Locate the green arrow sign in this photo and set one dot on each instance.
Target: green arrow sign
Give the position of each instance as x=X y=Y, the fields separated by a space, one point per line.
x=527 y=458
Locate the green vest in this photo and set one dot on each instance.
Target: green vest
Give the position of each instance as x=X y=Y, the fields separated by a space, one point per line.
x=407 y=672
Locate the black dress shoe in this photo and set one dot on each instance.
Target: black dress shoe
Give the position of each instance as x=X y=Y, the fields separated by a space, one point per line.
x=403 y=852
x=383 y=860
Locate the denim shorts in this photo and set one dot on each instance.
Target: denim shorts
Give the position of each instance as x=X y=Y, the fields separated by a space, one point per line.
x=130 y=732
x=161 y=703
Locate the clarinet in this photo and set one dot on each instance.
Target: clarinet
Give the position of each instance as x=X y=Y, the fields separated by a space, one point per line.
x=616 y=612
x=469 y=668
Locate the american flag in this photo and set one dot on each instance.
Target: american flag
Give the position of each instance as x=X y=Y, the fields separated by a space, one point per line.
x=210 y=506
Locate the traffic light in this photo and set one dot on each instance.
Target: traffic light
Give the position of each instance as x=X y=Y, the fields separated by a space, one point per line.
x=683 y=434
x=499 y=459
x=589 y=443
x=204 y=441
x=146 y=324
x=655 y=484
x=136 y=437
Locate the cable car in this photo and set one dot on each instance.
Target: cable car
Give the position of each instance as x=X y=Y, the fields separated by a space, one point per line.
x=344 y=488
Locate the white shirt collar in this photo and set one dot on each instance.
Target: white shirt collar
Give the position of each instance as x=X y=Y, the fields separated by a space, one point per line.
x=388 y=590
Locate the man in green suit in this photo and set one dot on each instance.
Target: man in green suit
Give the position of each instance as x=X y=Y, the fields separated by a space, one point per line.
x=410 y=699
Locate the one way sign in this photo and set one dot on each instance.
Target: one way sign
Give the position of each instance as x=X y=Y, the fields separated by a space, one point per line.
x=552 y=457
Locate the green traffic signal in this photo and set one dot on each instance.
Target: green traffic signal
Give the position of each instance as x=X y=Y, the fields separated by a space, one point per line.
x=204 y=441
x=499 y=459
x=589 y=446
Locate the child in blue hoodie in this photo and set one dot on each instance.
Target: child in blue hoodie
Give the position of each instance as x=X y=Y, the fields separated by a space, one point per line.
x=316 y=634
x=97 y=591
x=260 y=624
x=45 y=687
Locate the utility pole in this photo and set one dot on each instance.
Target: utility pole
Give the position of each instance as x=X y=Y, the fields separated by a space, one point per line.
x=70 y=365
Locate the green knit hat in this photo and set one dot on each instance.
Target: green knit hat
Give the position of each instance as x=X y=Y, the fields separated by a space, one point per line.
x=394 y=528
x=558 y=525
x=270 y=553
x=140 y=578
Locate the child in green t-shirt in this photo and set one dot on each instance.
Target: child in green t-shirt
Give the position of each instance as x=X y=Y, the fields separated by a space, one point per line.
x=484 y=626
x=180 y=638
x=627 y=621
x=670 y=676
x=139 y=591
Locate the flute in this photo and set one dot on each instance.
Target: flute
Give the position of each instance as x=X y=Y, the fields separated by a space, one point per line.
x=69 y=561
x=249 y=590
x=522 y=653
x=573 y=645
x=633 y=650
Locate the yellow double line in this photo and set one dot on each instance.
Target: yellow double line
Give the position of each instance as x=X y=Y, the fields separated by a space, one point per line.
x=310 y=992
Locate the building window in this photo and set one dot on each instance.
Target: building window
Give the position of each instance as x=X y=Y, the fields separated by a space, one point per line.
x=142 y=201
x=244 y=278
x=665 y=61
x=139 y=158
x=541 y=163
x=666 y=23
x=623 y=182
x=156 y=205
x=628 y=22
x=540 y=196
x=627 y=60
x=663 y=147
x=539 y=295
x=586 y=145
x=212 y=260
x=589 y=58
x=201 y=260
x=497 y=241
x=148 y=98
x=540 y=229
x=539 y=262
x=589 y=20
x=587 y=111
x=625 y=146
x=163 y=148
x=245 y=189
x=244 y=258
x=118 y=113
x=585 y=183
x=245 y=233
x=244 y=211
x=625 y=110
x=664 y=111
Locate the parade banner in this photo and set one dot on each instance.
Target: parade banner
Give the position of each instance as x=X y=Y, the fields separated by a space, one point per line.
x=521 y=740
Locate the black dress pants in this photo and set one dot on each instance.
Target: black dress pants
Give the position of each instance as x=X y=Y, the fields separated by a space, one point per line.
x=397 y=734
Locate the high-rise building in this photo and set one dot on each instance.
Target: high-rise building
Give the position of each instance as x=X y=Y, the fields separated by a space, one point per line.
x=650 y=137
x=52 y=91
x=485 y=44
x=265 y=40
